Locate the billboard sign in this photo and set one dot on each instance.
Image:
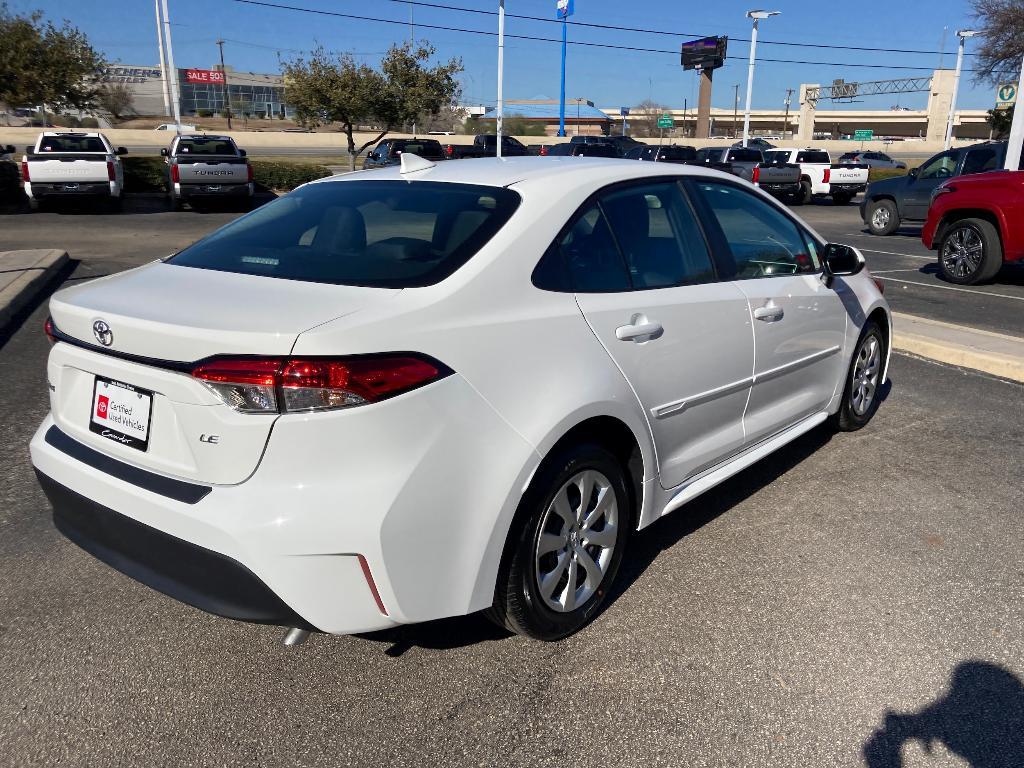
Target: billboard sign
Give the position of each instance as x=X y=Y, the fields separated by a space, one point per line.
x=706 y=53
x=200 y=76
x=564 y=9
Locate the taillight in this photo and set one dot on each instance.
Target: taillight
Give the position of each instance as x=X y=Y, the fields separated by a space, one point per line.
x=543 y=151
x=756 y=175
x=175 y=176
x=274 y=385
x=50 y=330
x=24 y=171
x=449 y=150
x=249 y=170
x=111 y=174
x=828 y=175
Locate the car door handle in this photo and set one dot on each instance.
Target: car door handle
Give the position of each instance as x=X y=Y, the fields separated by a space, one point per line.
x=639 y=329
x=769 y=313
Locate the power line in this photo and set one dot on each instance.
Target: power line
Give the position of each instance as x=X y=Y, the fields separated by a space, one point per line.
x=692 y=35
x=338 y=14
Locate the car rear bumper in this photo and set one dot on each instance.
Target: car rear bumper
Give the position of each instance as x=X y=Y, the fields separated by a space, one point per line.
x=38 y=190
x=780 y=189
x=212 y=191
x=851 y=189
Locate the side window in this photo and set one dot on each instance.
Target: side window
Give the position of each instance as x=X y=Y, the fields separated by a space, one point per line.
x=979 y=161
x=589 y=252
x=763 y=241
x=939 y=167
x=658 y=236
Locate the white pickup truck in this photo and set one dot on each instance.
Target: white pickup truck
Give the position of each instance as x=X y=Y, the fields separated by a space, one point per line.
x=205 y=168
x=820 y=177
x=72 y=165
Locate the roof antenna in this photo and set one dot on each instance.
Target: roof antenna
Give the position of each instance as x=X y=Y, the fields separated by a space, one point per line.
x=412 y=162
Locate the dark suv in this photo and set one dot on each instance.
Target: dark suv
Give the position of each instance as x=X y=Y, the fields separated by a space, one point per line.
x=389 y=151
x=670 y=154
x=889 y=203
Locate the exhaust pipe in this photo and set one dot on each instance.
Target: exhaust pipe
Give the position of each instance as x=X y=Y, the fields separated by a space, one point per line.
x=295 y=636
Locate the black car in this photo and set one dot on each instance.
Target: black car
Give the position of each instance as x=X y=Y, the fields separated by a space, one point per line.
x=582 y=150
x=671 y=154
x=756 y=143
x=890 y=203
x=389 y=151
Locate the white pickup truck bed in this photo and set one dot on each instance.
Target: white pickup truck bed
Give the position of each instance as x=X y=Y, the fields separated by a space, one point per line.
x=62 y=166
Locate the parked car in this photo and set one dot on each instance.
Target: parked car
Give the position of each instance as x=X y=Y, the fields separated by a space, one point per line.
x=819 y=177
x=871 y=160
x=202 y=168
x=389 y=151
x=664 y=154
x=73 y=166
x=976 y=223
x=445 y=388
x=779 y=180
x=622 y=144
x=174 y=127
x=569 y=149
x=756 y=142
x=890 y=203
x=7 y=152
x=486 y=145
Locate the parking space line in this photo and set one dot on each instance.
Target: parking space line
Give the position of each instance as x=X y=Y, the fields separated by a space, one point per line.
x=887 y=271
x=894 y=253
x=951 y=288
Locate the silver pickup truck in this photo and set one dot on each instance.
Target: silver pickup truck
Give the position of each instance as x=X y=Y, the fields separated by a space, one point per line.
x=206 y=168
x=781 y=180
x=72 y=165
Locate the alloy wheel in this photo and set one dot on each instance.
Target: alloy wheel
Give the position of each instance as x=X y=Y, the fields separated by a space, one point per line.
x=865 y=375
x=576 y=540
x=880 y=218
x=962 y=252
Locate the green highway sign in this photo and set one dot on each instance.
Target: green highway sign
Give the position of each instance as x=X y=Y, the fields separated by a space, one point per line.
x=1006 y=95
x=863 y=135
x=666 y=121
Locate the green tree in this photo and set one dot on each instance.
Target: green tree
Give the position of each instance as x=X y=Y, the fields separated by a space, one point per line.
x=1001 y=45
x=41 y=63
x=1000 y=120
x=324 y=90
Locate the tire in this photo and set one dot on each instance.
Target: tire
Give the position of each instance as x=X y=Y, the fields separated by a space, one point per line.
x=841 y=198
x=971 y=252
x=796 y=198
x=114 y=205
x=177 y=204
x=34 y=205
x=883 y=218
x=863 y=380
x=806 y=193
x=521 y=604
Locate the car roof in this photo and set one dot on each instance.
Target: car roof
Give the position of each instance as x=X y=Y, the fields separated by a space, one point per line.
x=207 y=136
x=492 y=172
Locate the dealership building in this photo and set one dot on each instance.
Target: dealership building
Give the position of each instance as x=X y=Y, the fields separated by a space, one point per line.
x=203 y=89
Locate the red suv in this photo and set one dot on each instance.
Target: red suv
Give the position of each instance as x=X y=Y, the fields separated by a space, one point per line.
x=976 y=223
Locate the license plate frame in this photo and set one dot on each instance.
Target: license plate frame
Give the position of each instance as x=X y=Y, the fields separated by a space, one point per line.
x=126 y=427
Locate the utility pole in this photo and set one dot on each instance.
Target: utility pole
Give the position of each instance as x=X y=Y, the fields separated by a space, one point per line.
x=686 y=108
x=499 y=113
x=164 y=84
x=175 y=93
x=735 y=109
x=785 y=122
x=224 y=83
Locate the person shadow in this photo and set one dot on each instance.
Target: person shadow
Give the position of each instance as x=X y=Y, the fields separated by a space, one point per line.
x=980 y=719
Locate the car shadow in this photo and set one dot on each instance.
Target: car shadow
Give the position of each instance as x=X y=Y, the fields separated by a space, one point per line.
x=980 y=719
x=1010 y=274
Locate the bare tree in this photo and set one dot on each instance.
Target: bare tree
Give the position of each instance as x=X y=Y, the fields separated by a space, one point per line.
x=116 y=100
x=1001 y=46
x=643 y=119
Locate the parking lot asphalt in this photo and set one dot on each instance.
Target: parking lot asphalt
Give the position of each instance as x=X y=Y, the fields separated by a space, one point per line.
x=850 y=597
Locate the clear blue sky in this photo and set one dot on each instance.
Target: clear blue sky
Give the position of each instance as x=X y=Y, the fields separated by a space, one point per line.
x=125 y=31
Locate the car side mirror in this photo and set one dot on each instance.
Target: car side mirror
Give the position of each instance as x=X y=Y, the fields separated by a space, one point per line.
x=912 y=173
x=842 y=261
x=241 y=153
x=122 y=150
x=164 y=152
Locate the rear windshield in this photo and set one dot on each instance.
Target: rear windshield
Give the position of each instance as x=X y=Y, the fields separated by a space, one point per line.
x=71 y=144
x=849 y=156
x=745 y=155
x=384 y=234
x=206 y=147
x=777 y=156
x=810 y=156
x=426 y=148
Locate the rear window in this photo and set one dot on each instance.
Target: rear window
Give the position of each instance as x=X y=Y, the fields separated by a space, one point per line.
x=813 y=156
x=849 y=157
x=426 y=148
x=745 y=155
x=383 y=234
x=71 y=144
x=205 y=147
x=776 y=156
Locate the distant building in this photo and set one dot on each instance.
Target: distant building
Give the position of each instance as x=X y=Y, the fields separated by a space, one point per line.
x=203 y=89
x=581 y=116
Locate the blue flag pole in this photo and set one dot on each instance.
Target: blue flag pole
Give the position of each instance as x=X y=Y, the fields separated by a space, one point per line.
x=561 y=103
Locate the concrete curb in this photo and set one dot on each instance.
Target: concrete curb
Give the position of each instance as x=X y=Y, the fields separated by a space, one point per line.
x=27 y=273
x=994 y=353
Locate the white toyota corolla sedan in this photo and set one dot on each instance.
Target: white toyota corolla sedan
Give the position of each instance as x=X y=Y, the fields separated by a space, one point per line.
x=406 y=394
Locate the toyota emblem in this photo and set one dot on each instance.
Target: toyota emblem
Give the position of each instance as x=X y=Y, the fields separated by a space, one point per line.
x=102 y=332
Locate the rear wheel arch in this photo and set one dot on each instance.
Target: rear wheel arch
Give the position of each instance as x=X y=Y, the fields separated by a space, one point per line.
x=953 y=217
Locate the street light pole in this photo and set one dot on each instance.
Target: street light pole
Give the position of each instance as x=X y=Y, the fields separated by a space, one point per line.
x=1013 y=149
x=499 y=112
x=963 y=34
x=735 y=107
x=756 y=16
x=164 y=85
x=175 y=93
